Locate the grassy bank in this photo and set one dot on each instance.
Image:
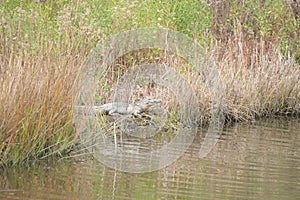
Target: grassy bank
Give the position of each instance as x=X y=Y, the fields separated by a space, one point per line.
x=43 y=45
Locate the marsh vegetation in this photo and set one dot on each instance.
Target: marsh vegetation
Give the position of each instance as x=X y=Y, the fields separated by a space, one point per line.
x=43 y=46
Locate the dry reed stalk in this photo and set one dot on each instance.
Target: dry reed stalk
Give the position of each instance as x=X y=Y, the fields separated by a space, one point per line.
x=36 y=96
x=40 y=64
x=259 y=81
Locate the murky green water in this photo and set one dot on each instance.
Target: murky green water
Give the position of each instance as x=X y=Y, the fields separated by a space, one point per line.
x=258 y=160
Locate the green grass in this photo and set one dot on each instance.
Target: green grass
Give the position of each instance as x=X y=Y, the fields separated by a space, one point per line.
x=43 y=47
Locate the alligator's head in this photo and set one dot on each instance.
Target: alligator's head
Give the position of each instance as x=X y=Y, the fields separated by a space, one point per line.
x=147 y=103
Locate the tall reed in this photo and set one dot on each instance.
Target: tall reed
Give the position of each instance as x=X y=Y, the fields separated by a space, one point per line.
x=44 y=45
x=38 y=78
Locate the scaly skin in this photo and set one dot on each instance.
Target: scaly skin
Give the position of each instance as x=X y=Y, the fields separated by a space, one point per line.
x=123 y=108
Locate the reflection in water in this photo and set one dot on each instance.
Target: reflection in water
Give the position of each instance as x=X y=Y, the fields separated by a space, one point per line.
x=250 y=161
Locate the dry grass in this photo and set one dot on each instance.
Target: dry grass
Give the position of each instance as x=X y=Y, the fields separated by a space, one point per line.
x=42 y=51
x=36 y=104
x=258 y=80
x=38 y=80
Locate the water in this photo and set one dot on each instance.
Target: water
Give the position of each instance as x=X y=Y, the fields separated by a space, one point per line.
x=258 y=160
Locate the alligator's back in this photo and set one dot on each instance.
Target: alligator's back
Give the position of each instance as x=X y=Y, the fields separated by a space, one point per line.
x=109 y=108
x=115 y=107
x=119 y=107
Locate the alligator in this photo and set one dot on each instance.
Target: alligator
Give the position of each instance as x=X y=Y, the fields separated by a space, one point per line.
x=122 y=108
